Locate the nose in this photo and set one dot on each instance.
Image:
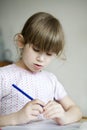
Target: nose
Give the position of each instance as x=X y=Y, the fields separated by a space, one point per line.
x=41 y=57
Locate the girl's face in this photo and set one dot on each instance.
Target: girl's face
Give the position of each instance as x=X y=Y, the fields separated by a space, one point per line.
x=34 y=59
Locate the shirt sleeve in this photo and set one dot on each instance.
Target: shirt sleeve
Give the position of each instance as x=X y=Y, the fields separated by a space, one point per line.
x=59 y=90
x=1 y=83
x=0 y=91
x=0 y=87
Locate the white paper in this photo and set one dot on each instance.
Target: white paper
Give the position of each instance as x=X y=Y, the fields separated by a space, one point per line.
x=47 y=125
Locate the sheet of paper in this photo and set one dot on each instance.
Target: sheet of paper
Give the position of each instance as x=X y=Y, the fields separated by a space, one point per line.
x=47 y=125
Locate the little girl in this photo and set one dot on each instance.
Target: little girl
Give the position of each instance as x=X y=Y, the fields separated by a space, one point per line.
x=40 y=40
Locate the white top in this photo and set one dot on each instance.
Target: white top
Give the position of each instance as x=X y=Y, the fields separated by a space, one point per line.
x=42 y=85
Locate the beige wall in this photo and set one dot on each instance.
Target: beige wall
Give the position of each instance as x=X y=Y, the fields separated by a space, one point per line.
x=73 y=16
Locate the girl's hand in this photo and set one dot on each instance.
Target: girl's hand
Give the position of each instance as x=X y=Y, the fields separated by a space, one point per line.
x=30 y=111
x=53 y=110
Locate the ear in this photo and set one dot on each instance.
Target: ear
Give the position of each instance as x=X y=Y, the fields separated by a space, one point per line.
x=19 y=40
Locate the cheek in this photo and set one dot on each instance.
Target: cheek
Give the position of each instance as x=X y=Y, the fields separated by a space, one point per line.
x=49 y=60
x=25 y=55
x=28 y=56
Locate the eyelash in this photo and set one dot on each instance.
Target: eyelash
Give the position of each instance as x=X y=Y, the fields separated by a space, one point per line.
x=49 y=54
x=37 y=50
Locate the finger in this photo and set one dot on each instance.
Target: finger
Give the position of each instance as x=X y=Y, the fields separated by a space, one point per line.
x=35 y=112
x=51 y=114
x=51 y=105
x=37 y=107
x=48 y=108
x=33 y=117
x=54 y=109
x=55 y=113
x=37 y=101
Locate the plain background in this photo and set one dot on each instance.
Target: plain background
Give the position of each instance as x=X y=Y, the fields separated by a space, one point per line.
x=72 y=72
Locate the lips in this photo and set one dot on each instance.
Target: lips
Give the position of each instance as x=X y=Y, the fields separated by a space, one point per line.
x=37 y=66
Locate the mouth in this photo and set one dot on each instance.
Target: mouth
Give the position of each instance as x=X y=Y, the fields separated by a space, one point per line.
x=37 y=66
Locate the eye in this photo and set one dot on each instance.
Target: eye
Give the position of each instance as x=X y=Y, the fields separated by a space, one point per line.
x=49 y=54
x=36 y=49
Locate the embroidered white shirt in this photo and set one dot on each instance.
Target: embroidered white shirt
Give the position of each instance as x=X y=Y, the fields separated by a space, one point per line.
x=42 y=85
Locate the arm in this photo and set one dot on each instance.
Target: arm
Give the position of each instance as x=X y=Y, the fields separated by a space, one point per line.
x=63 y=112
x=28 y=113
x=72 y=112
x=7 y=120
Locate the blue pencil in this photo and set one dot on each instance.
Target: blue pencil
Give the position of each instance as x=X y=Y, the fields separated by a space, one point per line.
x=25 y=94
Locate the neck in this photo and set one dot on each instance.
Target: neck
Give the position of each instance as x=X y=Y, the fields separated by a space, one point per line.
x=21 y=64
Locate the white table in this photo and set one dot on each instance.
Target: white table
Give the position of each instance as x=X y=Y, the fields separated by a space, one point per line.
x=48 y=125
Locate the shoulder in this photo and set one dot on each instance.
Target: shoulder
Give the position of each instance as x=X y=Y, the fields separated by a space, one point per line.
x=59 y=89
x=7 y=68
x=51 y=76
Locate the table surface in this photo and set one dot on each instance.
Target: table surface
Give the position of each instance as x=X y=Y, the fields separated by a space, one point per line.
x=49 y=125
